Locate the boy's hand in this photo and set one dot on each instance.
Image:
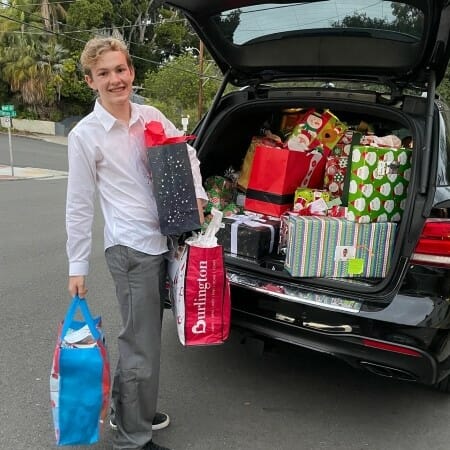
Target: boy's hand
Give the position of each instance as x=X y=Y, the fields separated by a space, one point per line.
x=77 y=286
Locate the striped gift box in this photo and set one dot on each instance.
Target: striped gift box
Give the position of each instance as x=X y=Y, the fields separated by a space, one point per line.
x=335 y=247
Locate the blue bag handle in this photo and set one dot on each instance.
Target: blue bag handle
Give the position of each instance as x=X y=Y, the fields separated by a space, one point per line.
x=81 y=303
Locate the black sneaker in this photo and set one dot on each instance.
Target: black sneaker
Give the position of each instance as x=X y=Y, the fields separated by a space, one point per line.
x=160 y=421
x=152 y=446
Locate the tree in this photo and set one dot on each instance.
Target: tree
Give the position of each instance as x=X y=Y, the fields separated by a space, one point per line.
x=133 y=19
x=21 y=70
x=172 y=34
x=88 y=18
x=168 y=34
x=174 y=87
x=406 y=19
x=52 y=12
x=52 y=61
x=444 y=87
x=229 y=23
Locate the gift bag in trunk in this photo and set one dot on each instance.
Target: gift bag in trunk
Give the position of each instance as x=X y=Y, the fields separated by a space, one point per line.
x=200 y=291
x=173 y=184
x=79 y=378
x=276 y=174
x=244 y=173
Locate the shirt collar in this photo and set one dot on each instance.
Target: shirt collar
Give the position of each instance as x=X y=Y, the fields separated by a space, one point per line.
x=108 y=120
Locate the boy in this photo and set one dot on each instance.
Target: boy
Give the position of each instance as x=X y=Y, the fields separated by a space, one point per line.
x=107 y=154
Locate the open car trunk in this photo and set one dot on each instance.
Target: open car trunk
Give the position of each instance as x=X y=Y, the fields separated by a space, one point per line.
x=223 y=146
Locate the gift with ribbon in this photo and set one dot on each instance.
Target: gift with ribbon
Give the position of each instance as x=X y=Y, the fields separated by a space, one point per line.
x=250 y=236
x=173 y=185
x=335 y=247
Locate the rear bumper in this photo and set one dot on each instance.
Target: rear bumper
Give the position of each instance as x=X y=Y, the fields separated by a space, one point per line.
x=422 y=368
x=404 y=339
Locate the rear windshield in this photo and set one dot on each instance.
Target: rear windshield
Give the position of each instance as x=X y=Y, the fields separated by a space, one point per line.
x=269 y=20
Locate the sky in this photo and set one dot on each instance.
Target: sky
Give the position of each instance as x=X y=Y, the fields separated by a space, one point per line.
x=271 y=18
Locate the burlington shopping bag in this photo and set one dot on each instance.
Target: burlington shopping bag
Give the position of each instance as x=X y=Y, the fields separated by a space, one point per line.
x=200 y=291
x=79 y=378
x=173 y=184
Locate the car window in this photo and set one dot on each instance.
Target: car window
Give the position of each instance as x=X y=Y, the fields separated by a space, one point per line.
x=265 y=21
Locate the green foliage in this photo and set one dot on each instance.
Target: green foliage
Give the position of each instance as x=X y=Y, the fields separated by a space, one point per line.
x=175 y=86
x=444 y=87
x=4 y=91
x=44 y=80
x=143 y=61
x=89 y=17
x=171 y=34
x=406 y=20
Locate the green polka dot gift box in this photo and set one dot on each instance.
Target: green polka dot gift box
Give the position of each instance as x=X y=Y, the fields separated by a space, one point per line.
x=378 y=183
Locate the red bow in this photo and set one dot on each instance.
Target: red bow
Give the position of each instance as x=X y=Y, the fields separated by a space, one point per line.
x=155 y=135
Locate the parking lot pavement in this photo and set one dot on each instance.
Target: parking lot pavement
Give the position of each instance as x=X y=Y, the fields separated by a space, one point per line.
x=25 y=173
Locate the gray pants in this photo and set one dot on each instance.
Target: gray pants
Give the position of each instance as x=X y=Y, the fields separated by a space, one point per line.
x=139 y=279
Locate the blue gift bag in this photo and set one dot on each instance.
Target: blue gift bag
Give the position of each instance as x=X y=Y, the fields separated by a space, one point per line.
x=79 y=378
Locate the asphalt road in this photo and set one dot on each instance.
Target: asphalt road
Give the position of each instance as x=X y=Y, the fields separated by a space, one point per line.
x=219 y=398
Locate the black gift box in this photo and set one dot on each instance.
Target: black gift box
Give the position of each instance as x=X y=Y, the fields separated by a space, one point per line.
x=249 y=236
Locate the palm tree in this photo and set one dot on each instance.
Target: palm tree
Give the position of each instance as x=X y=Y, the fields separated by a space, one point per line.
x=51 y=13
x=20 y=70
x=52 y=64
x=34 y=70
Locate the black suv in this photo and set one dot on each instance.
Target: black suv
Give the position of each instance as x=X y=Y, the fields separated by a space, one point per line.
x=377 y=62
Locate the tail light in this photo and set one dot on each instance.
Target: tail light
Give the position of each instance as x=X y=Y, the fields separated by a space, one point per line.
x=391 y=347
x=433 y=247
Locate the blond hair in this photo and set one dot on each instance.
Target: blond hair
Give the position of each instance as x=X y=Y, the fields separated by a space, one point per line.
x=95 y=47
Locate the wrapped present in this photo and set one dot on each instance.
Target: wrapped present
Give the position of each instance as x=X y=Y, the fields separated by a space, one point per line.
x=290 y=118
x=335 y=170
x=309 y=201
x=272 y=191
x=334 y=247
x=283 y=236
x=379 y=179
x=318 y=207
x=244 y=174
x=315 y=130
x=390 y=141
x=310 y=195
x=343 y=146
x=220 y=192
x=304 y=134
x=250 y=236
x=330 y=133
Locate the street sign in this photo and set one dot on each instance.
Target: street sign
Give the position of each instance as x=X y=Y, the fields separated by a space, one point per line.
x=7 y=112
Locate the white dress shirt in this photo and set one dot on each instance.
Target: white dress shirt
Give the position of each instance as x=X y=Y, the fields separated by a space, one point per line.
x=109 y=156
